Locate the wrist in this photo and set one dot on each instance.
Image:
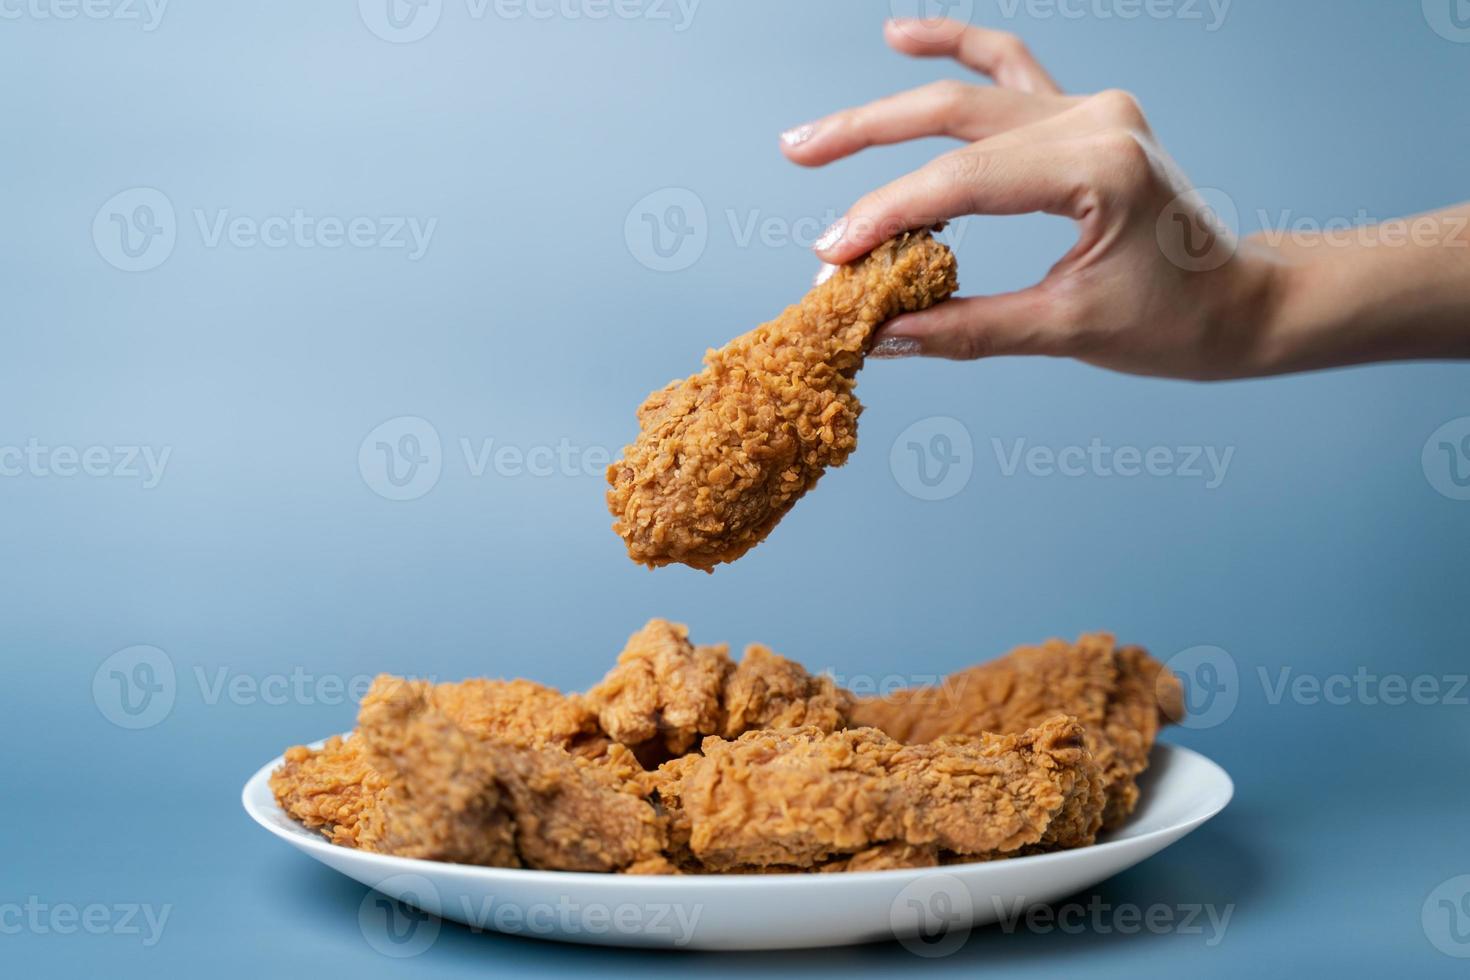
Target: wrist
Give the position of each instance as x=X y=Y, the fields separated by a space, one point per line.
x=1257 y=321
x=1381 y=299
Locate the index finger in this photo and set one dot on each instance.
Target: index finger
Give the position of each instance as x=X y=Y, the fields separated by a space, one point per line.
x=996 y=54
x=1051 y=177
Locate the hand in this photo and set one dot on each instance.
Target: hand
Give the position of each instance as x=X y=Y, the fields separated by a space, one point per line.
x=1154 y=285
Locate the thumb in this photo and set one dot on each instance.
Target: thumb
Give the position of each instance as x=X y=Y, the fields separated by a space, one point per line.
x=978 y=326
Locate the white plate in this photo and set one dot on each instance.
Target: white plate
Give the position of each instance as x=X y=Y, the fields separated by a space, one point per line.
x=925 y=908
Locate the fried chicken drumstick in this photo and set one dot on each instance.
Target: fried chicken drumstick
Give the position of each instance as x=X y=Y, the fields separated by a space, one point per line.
x=723 y=455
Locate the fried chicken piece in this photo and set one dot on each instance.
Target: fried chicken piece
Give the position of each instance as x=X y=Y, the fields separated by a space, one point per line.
x=801 y=798
x=505 y=773
x=1147 y=697
x=457 y=797
x=442 y=800
x=723 y=455
x=328 y=789
x=665 y=693
x=1120 y=695
x=515 y=774
x=519 y=712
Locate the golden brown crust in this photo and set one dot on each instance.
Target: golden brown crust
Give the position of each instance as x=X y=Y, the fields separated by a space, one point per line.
x=443 y=800
x=662 y=690
x=885 y=857
x=801 y=797
x=723 y=455
x=512 y=773
x=1120 y=695
x=1146 y=698
x=767 y=690
x=571 y=817
x=328 y=789
x=665 y=694
x=504 y=773
x=455 y=796
x=519 y=712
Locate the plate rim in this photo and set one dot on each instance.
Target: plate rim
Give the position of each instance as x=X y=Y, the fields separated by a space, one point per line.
x=302 y=838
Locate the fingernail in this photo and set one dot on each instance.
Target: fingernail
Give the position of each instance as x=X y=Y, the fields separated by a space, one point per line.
x=799 y=134
x=892 y=348
x=824 y=273
x=832 y=235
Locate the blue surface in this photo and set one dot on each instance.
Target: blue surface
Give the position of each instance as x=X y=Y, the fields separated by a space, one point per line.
x=264 y=551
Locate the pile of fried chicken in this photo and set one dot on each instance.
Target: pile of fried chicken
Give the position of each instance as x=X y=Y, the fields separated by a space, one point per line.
x=684 y=761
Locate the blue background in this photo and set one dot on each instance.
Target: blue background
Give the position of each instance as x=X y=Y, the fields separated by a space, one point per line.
x=264 y=550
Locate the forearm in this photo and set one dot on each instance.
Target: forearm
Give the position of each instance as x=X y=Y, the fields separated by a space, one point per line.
x=1391 y=292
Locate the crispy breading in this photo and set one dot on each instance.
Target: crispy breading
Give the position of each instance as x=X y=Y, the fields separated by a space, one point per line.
x=448 y=771
x=800 y=797
x=328 y=789
x=665 y=693
x=885 y=857
x=723 y=455
x=663 y=689
x=766 y=690
x=443 y=799
x=519 y=712
x=1121 y=696
x=1027 y=754
x=456 y=796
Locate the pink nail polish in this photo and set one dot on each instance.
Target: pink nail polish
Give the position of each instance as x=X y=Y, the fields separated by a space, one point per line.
x=824 y=273
x=799 y=134
x=832 y=235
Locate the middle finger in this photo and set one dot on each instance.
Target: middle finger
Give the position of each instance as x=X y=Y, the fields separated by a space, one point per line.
x=947 y=108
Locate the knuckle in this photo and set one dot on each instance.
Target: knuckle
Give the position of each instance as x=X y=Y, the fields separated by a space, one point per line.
x=1011 y=48
x=1079 y=317
x=851 y=120
x=1121 y=157
x=1061 y=302
x=950 y=93
x=873 y=218
x=1119 y=107
x=971 y=345
x=967 y=167
x=1072 y=309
